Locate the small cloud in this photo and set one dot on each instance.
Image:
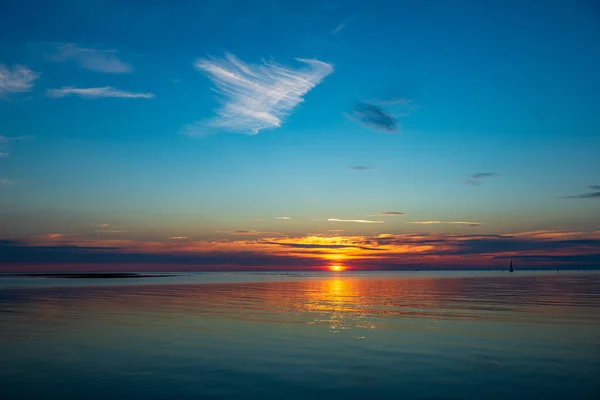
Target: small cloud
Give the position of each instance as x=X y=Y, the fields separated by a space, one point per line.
x=342 y=26
x=482 y=175
x=359 y=221
x=52 y=236
x=373 y=116
x=6 y=142
x=177 y=237
x=106 y=61
x=6 y=182
x=391 y=213
x=338 y=28
x=18 y=80
x=103 y=225
x=382 y=113
x=591 y=195
x=111 y=231
x=105 y=91
x=335 y=230
x=360 y=168
x=250 y=233
x=475 y=179
x=282 y=218
x=255 y=97
x=447 y=222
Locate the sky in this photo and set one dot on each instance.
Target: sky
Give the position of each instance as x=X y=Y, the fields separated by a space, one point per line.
x=220 y=135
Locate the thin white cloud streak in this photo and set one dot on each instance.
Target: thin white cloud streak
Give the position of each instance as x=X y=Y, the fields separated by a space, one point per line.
x=282 y=218
x=255 y=97
x=447 y=222
x=105 y=91
x=388 y=214
x=178 y=237
x=361 y=168
x=6 y=142
x=106 y=61
x=250 y=233
x=18 y=80
x=6 y=182
x=359 y=221
x=338 y=29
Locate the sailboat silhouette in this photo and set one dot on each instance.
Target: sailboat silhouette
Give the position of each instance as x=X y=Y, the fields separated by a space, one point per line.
x=511 y=268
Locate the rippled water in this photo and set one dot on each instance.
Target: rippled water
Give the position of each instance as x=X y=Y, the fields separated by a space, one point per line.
x=217 y=336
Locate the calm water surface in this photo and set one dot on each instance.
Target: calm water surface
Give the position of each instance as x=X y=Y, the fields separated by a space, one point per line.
x=318 y=336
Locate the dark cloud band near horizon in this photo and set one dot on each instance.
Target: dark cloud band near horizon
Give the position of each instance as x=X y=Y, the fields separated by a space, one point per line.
x=382 y=251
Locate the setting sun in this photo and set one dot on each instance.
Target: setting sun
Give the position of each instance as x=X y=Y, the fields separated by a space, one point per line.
x=337 y=268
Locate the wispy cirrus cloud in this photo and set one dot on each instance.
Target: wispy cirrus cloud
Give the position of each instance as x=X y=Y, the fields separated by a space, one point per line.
x=255 y=97
x=360 y=168
x=338 y=29
x=482 y=175
x=389 y=214
x=106 y=61
x=18 y=80
x=359 y=221
x=341 y=26
x=284 y=218
x=97 y=92
x=52 y=236
x=3 y=144
x=6 y=142
x=447 y=222
x=589 y=195
x=7 y=182
x=476 y=179
x=251 y=233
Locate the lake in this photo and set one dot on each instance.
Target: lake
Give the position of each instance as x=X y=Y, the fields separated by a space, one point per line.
x=348 y=335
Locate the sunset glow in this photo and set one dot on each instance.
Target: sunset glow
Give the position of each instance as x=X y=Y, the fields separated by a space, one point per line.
x=337 y=268
x=293 y=155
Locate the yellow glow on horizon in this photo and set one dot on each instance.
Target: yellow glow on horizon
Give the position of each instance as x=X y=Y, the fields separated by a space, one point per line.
x=337 y=268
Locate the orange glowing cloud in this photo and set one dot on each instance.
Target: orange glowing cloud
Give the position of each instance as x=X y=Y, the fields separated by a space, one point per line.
x=357 y=251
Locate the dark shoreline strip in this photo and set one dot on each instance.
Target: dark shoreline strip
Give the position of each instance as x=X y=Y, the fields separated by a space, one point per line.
x=90 y=275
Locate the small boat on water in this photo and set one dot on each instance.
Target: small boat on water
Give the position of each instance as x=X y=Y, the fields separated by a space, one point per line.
x=511 y=268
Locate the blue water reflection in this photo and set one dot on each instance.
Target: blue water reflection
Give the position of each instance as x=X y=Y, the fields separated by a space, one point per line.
x=428 y=336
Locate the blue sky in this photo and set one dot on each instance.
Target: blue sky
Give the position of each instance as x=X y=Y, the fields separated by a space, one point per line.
x=111 y=113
